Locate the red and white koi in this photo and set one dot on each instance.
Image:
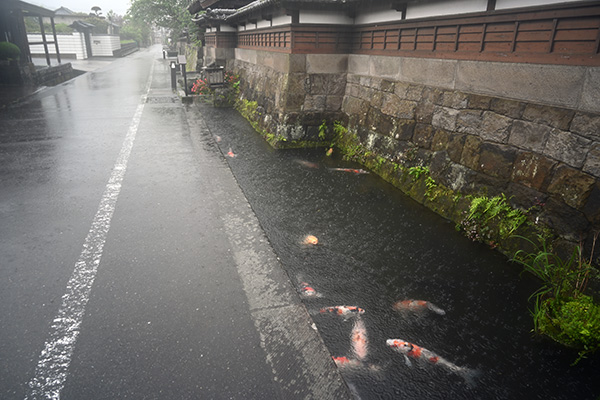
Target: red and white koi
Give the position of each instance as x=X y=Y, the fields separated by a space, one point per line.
x=417 y=306
x=359 y=340
x=344 y=311
x=308 y=291
x=408 y=349
x=230 y=153
x=345 y=362
x=356 y=171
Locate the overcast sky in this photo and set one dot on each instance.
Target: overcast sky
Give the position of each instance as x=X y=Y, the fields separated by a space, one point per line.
x=118 y=6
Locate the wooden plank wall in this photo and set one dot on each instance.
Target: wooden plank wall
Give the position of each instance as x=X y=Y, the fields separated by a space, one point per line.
x=568 y=36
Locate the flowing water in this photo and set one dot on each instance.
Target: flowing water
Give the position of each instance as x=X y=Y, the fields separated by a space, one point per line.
x=376 y=247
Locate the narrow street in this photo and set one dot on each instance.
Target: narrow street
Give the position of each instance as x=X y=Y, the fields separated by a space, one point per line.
x=131 y=264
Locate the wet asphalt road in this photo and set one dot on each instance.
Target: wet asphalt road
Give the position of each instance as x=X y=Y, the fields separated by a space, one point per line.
x=131 y=265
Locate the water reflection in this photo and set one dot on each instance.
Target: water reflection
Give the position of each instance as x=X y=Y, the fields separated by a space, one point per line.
x=377 y=247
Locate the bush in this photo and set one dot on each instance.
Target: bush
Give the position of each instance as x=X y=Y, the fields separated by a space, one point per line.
x=9 y=51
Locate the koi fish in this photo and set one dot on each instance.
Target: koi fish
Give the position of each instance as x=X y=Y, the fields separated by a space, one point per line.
x=356 y=171
x=230 y=153
x=416 y=306
x=345 y=362
x=218 y=138
x=329 y=152
x=359 y=340
x=419 y=353
x=344 y=311
x=307 y=164
x=310 y=239
x=308 y=291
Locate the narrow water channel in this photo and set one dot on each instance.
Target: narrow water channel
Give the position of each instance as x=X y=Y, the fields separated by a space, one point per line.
x=377 y=247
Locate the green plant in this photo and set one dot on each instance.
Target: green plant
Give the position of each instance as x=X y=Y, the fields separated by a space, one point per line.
x=416 y=172
x=323 y=130
x=491 y=219
x=561 y=310
x=9 y=51
x=339 y=129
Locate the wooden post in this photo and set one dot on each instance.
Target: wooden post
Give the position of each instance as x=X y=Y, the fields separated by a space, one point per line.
x=44 y=40
x=55 y=39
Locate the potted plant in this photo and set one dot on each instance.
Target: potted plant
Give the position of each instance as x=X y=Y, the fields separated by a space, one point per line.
x=9 y=53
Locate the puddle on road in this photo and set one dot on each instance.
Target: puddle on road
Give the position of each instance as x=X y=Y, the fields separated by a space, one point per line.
x=377 y=247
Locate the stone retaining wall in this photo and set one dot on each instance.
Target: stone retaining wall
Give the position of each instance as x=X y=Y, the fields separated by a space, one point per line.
x=295 y=93
x=474 y=143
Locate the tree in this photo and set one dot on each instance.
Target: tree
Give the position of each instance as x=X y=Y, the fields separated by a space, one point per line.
x=170 y=14
x=97 y=11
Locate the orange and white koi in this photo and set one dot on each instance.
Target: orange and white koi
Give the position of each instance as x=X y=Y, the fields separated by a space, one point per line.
x=310 y=239
x=230 y=153
x=419 y=353
x=344 y=311
x=329 y=152
x=308 y=291
x=359 y=340
x=356 y=171
x=416 y=306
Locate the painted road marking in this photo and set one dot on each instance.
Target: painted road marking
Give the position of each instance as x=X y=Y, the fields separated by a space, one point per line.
x=53 y=364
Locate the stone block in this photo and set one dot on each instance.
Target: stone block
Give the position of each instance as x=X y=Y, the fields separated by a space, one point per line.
x=387 y=86
x=400 y=89
x=404 y=129
x=445 y=118
x=591 y=210
x=393 y=105
x=383 y=66
x=334 y=103
x=353 y=78
x=496 y=160
x=571 y=186
x=567 y=147
x=558 y=85
x=358 y=64
x=566 y=221
x=523 y=196
x=440 y=140
x=454 y=99
x=327 y=84
x=423 y=135
x=376 y=98
x=414 y=92
x=587 y=125
x=353 y=105
x=327 y=63
x=590 y=96
x=553 y=116
x=297 y=63
x=529 y=136
x=379 y=122
x=469 y=121
x=424 y=112
x=428 y=71
x=477 y=102
x=456 y=144
x=495 y=127
x=470 y=152
x=510 y=108
x=592 y=161
x=314 y=102
x=533 y=170
x=457 y=177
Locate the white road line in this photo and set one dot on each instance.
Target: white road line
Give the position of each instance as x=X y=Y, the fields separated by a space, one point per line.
x=52 y=368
